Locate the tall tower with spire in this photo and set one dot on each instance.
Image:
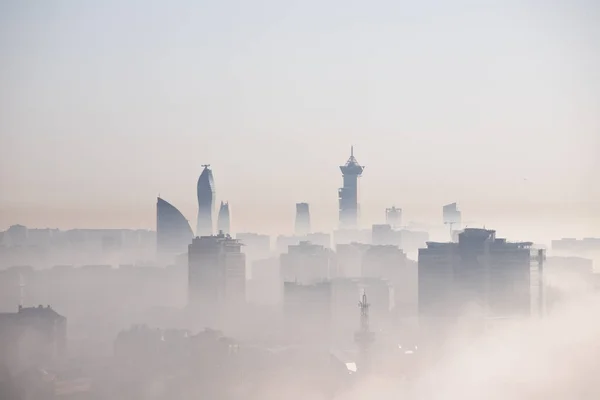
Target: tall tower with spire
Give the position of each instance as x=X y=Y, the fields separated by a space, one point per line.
x=348 y=194
x=206 y=202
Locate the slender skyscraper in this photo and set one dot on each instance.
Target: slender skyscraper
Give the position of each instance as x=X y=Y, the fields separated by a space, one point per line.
x=348 y=194
x=224 y=221
x=302 y=219
x=206 y=202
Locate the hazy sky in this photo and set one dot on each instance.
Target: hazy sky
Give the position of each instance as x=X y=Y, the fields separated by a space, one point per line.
x=494 y=104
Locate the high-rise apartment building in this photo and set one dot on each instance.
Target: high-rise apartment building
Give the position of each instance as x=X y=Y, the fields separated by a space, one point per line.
x=216 y=275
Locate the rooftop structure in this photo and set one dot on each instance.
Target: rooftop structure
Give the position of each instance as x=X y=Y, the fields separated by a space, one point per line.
x=393 y=217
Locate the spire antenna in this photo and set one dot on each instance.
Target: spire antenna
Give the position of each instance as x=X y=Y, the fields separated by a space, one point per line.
x=352 y=151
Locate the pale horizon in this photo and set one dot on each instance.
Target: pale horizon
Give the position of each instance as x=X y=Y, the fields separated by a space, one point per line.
x=494 y=107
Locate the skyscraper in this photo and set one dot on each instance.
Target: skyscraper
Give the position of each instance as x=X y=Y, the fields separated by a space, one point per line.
x=348 y=194
x=206 y=202
x=224 y=220
x=216 y=276
x=481 y=270
x=302 y=219
x=173 y=232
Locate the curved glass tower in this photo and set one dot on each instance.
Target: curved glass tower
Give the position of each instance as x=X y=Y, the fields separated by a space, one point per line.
x=173 y=232
x=224 y=219
x=206 y=202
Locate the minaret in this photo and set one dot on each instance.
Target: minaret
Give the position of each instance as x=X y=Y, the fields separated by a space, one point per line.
x=364 y=337
x=348 y=194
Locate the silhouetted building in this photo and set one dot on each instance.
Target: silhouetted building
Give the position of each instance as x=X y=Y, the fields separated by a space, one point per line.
x=224 y=219
x=173 y=232
x=283 y=242
x=451 y=214
x=302 y=219
x=479 y=271
x=385 y=235
x=348 y=194
x=33 y=337
x=16 y=235
x=393 y=217
x=216 y=276
x=307 y=263
x=572 y=246
x=206 y=202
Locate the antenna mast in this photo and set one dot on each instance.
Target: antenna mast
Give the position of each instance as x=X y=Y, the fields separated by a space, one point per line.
x=364 y=337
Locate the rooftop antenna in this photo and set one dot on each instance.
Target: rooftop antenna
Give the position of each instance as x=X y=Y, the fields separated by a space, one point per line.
x=352 y=151
x=205 y=165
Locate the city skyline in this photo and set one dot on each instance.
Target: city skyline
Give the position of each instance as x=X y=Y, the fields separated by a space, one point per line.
x=426 y=99
x=185 y=210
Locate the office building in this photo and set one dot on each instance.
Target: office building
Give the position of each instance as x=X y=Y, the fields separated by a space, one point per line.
x=224 y=219
x=206 y=202
x=479 y=272
x=302 y=226
x=216 y=276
